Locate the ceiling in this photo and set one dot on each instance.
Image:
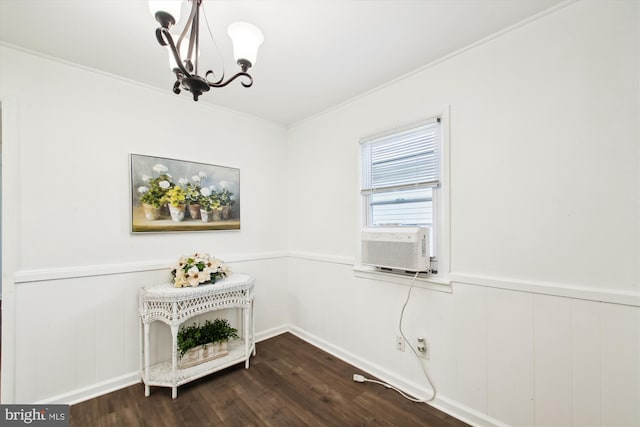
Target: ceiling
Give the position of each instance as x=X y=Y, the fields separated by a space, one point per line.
x=316 y=54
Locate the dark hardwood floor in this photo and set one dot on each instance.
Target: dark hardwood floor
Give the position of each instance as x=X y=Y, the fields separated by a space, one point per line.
x=289 y=383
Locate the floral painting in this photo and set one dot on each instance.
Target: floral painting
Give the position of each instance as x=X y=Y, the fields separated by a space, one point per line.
x=177 y=195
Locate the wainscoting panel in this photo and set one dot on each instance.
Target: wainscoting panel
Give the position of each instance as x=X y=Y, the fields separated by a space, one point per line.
x=79 y=336
x=510 y=355
x=86 y=347
x=470 y=320
x=586 y=334
x=620 y=366
x=498 y=356
x=552 y=355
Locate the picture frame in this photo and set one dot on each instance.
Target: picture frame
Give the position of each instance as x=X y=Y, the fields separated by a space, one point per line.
x=169 y=195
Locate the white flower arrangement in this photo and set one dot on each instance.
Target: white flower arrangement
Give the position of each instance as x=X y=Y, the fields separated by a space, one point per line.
x=197 y=269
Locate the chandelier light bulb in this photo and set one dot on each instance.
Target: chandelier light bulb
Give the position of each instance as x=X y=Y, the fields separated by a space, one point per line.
x=246 y=39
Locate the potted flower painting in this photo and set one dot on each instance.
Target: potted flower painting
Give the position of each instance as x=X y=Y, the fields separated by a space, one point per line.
x=178 y=195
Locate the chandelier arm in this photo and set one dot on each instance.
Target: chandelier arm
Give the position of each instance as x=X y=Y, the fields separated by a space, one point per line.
x=176 y=87
x=188 y=24
x=240 y=74
x=216 y=82
x=168 y=40
x=195 y=43
x=213 y=39
x=160 y=37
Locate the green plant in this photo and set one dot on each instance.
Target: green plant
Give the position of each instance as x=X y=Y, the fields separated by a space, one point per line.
x=193 y=336
x=225 y=196
x=210 y=202
x=155 y=189
x=175 y=196
x=192 y=193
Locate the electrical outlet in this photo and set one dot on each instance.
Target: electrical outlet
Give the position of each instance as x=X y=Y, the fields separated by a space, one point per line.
x=423 y=348
x=399 y=343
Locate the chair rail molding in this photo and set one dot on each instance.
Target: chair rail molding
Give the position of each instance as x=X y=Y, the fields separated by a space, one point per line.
x=46 y=274
x=600 y=294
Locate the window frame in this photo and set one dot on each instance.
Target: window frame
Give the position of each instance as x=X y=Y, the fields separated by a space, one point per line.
x=441 y=212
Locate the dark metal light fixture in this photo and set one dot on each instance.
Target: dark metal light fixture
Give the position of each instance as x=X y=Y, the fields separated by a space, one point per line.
x=185 y=51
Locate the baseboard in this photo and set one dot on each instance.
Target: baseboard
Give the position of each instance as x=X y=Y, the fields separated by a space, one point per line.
x=270 y=333
x=94 y=390
x=466 y=414
x=443 y=403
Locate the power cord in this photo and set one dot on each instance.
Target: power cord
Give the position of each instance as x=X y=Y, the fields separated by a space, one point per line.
x=361 y=379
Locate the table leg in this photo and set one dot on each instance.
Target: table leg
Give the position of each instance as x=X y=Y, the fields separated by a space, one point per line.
x=253 y=329
x=174 y=360
x=141 y=347
x=147 y=361
x=247 y=336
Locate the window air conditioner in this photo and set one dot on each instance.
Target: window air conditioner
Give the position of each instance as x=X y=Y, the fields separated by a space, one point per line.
x=402 y=248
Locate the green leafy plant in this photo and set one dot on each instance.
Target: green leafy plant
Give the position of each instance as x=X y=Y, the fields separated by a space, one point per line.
x=175 y=196
x=225 y=197
x=192 y=193
x=209 y=203
x=198 y=335
x=155 y=189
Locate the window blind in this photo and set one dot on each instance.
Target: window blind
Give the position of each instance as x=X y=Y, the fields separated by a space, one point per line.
x=402 y=160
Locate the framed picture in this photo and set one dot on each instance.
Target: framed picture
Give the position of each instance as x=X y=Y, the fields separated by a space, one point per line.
x=178 y=195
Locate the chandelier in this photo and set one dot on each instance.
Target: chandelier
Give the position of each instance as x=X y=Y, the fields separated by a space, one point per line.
x=184 y=48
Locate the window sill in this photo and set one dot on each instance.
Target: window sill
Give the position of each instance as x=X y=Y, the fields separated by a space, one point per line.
x=431 y=283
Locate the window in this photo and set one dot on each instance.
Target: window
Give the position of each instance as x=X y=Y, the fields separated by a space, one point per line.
x=401 y=177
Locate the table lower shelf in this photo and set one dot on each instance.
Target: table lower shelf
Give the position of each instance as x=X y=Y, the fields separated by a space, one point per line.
x=162 y=374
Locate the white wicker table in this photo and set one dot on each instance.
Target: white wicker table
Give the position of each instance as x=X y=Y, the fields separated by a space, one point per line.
x=174 y=306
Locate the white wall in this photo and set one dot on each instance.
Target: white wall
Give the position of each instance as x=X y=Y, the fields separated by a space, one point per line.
x=544 y=226
x=75 y=264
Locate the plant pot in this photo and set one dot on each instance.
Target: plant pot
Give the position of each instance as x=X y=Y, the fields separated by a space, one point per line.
x=191 y=358
x=194 y=210
x=217 y=215
x=215 y=350
x=151 y=213
x=206 y=215
x=203 y=353
x=177 y=212
x=225 y=212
